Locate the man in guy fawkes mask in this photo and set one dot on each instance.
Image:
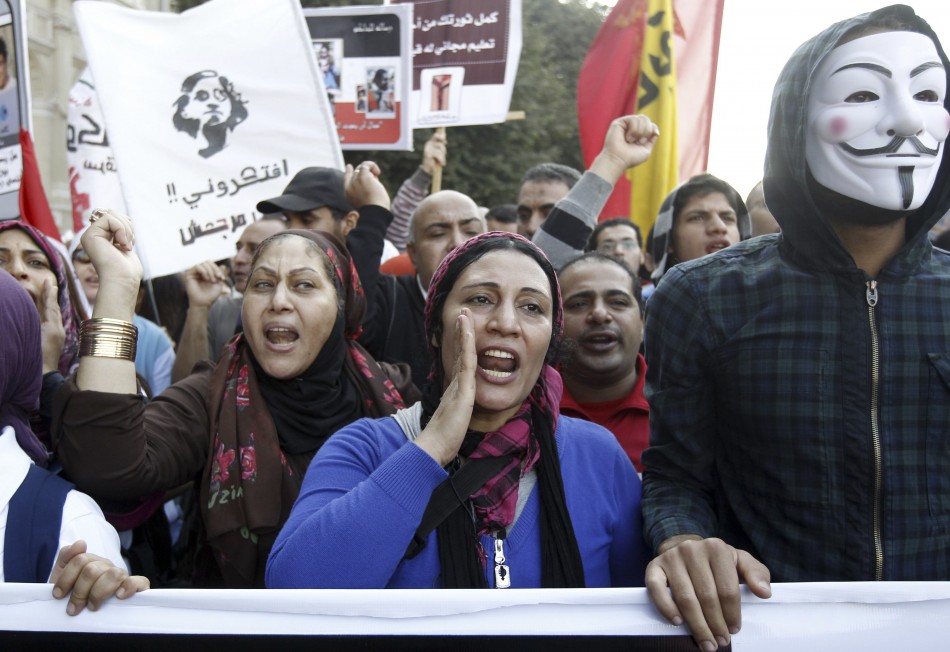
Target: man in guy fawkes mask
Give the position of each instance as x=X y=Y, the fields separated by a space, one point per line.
x=799 y=383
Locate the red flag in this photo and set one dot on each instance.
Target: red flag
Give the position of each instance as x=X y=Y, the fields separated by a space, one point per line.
x=607 y=86
x=696 y=61
x=34 y=209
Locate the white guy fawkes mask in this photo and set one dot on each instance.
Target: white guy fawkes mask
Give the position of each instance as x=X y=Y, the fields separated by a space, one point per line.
x=876 y=121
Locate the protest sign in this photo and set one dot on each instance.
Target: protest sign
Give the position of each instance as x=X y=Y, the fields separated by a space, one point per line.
x=207 y=112
x=93 y=175
x=14 y=103
x=465 y=57
x=363 y=56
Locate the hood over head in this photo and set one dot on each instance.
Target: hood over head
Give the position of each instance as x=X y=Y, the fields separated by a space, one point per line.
x=790 y=191
x=661 y=234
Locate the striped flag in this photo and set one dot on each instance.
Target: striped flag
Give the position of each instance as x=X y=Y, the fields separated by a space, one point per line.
x=639 y=40
x=656 y=98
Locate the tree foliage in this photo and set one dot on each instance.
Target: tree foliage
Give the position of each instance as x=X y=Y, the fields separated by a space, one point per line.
x=487 y=162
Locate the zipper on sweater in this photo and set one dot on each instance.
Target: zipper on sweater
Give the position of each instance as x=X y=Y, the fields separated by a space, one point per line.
x=502 y=574
x=872 y=299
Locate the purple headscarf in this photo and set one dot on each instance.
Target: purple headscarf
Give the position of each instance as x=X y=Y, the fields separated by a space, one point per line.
x=21 y=365
x=71 y=318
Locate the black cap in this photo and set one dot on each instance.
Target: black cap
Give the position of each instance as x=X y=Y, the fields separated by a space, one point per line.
x=311 y=188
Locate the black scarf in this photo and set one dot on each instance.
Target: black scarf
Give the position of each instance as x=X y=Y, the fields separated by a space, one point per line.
x=460 y=552
x=308 y=409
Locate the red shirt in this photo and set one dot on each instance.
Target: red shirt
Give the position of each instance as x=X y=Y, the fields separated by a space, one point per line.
x=627 y=417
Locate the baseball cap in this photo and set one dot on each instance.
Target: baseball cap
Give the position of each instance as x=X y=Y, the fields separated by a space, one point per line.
x=310 y=189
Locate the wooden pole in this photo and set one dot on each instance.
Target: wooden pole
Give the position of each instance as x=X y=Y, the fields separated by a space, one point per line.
x=437 y=169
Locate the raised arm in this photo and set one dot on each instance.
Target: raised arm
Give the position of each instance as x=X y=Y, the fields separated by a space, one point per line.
x=366 y=193
x=414 y=189
x=204 y=283
x=112 y=445
x=109 y=243
x=628 y=143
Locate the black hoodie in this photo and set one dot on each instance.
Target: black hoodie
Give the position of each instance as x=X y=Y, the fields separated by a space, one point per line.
x=798 y=409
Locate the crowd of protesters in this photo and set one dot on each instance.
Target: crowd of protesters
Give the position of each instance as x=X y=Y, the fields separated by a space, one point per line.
x=756 y=391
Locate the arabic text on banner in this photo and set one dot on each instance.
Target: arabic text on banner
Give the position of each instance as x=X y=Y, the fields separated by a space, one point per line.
x=211 y=131
x=465 y=57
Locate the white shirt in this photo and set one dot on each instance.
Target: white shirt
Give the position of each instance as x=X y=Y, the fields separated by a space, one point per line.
x=82 y=518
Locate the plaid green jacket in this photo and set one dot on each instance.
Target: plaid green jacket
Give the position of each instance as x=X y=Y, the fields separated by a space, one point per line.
x=800 y=410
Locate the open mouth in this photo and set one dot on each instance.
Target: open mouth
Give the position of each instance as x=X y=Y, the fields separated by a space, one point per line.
x=281 y=335
x=718 y=245
x=497 y=363
x=599 y=340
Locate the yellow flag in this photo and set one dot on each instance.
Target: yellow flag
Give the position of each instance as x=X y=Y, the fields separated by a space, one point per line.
x=656 y=98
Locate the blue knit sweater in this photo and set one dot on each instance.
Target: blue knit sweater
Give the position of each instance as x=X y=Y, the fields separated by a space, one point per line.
x=367 y=488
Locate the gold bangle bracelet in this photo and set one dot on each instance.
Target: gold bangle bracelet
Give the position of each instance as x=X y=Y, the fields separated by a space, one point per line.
x=105 y=325
x=106 y=351
x=102 y=337
x=107 y=321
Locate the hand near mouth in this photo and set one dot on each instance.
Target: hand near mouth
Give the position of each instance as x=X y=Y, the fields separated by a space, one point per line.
x=445 y=432
x=52 y=332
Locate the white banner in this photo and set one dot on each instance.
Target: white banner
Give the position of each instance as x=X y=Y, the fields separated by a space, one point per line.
x=93 y=175
x=208 y=112
x=813 y=617
x=465 y=58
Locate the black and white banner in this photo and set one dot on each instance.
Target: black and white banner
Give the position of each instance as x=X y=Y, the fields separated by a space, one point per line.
x=207 y=112
x=813 y=617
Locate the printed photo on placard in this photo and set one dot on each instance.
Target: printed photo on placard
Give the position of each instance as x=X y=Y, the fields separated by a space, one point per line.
x=381 y=97
x=360 y=98
x=441 y=95
x=329 y=54
x=9 y=96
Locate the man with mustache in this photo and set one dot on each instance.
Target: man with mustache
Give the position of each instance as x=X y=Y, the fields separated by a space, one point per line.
x=799 y=384
x=603 y=329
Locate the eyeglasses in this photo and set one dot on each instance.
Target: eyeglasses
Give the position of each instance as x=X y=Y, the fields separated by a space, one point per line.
x=80 y=256
x=628 y=244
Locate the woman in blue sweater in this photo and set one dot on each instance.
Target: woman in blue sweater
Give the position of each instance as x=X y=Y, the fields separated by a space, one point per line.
x=482 y=483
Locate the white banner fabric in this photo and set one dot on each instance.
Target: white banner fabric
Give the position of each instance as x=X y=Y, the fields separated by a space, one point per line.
x=208 y=112
x=93 y=175
x=814 y=617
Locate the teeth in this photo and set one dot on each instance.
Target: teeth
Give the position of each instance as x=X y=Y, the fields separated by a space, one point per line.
x=496 y=374
x=495 y=353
